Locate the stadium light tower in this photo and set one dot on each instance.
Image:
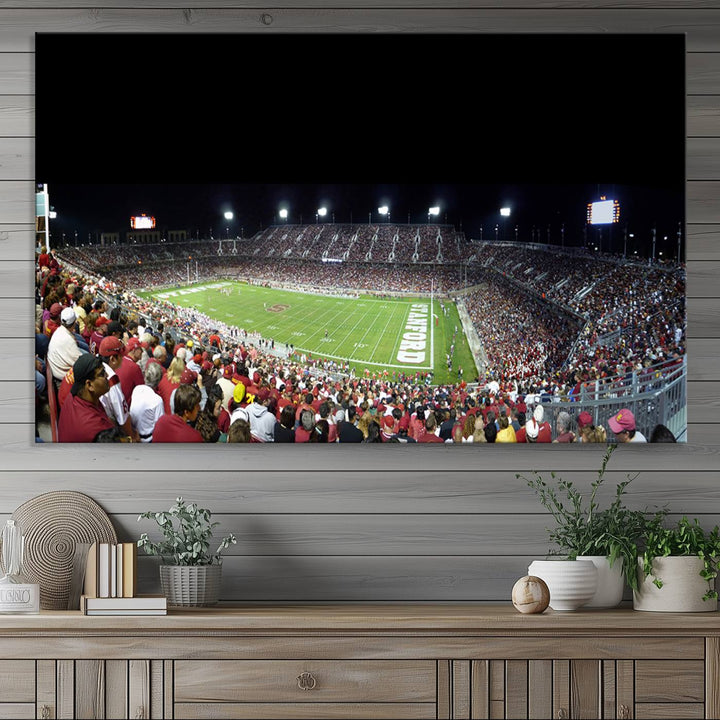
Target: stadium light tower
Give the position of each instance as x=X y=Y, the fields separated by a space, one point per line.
x=228 y=215
x=433 y=212
x=283 y=214
x=385 y=210
x=504 y=213
x=321 y=212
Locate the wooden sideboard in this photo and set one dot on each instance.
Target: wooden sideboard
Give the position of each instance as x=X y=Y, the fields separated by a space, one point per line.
x=363 y=661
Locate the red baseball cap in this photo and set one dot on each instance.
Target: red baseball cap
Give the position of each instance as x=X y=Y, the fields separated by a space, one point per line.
x=111 y=346
x=584 y=418
x=132 y=344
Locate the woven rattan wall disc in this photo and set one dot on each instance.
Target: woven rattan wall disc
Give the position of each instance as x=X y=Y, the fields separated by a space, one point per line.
x=52 y=524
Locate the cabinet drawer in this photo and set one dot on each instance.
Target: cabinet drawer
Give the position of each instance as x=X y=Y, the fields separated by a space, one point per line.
x=17 y=711
x=17 y=681
x=298 y=681
x=671 y=711
x=672 y=681
x=305 y=711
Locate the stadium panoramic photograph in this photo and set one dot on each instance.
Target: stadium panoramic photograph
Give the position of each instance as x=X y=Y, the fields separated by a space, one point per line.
x=396 y=313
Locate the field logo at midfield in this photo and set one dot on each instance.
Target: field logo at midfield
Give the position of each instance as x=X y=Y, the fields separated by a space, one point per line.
x=277 y=308
x=414 y=340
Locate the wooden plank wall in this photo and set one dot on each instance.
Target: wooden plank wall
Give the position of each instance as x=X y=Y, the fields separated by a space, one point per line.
x=364 y=523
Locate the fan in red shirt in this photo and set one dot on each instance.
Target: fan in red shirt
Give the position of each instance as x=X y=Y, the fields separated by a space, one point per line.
x=129 y=371
x=535 y=429
x=429 y=435
x=83 y=416
x=177 y=428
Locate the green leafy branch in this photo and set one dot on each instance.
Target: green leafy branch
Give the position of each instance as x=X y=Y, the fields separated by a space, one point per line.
x=187 y=530
x=583 y=528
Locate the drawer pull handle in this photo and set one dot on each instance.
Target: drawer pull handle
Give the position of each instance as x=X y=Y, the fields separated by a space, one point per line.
x=562 y=714
x=624 y=713
x=306 y=681
x=45 y=712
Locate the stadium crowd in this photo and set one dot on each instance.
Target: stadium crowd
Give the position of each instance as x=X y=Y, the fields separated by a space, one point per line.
x=552 y=325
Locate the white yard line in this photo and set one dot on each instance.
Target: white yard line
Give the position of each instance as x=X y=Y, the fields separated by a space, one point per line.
x=380 y=336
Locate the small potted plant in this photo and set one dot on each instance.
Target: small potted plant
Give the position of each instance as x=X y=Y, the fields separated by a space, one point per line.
x=677 y=568
x=190 y=574
x=606 y=537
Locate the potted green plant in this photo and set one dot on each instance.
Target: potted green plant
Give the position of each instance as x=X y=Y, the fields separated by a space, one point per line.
x=677 y=567
x=190 y=574
x=607 y=536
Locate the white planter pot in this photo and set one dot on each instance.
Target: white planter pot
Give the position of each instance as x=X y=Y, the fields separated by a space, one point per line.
x=571 y=582
x=610 y=582
x=682 y=589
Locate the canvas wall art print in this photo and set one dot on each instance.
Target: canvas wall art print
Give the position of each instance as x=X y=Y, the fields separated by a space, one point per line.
x=489 y=299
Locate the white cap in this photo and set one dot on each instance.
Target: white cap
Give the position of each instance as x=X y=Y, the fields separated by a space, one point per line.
x=67 y=316
x=539 y=413
x=532 y=428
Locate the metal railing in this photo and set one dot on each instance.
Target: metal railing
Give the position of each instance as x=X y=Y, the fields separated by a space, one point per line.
x=656 y=395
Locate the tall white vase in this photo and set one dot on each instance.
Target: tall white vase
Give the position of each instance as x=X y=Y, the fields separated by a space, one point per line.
x=571 y=582
x=610 y=582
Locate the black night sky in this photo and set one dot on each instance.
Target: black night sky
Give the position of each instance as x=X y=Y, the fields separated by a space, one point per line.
x=199 y=208
x=188 y=126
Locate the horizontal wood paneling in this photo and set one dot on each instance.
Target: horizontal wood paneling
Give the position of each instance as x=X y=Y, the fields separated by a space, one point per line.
x=703 y=115
x=23 y=455
x=396 y=6
x=703 y=158
x=387 y=534
x=17 y=113
x=132 y=489
x=18 y=26
x=703 y=242
x=358 y=524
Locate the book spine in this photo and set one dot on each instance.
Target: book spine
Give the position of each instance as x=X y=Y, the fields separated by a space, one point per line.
x=90 y=585
x=129 y=569
x=104 y=570
x=119 y=569
x=113 y=571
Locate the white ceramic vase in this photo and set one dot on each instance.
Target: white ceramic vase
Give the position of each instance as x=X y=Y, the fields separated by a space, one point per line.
x=571 y=582
x=610 y=582
x=682 y=589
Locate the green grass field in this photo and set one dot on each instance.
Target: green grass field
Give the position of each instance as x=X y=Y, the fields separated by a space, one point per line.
x=397 y=334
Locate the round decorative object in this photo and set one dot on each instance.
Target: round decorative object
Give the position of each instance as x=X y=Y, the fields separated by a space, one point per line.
x=52 y=524
x=571 y=582
x=191 y=585
x=530 y=594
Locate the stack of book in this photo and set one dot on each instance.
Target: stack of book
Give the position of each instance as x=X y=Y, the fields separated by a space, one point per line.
x=110 y=586
x=138 y=605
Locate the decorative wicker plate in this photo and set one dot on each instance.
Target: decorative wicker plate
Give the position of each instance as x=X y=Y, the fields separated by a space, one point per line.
x=52 y=524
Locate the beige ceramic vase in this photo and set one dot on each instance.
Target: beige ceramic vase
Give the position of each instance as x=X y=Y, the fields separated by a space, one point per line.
x=682 y=589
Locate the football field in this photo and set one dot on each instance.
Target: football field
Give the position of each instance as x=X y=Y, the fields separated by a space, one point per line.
x=394 y=334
